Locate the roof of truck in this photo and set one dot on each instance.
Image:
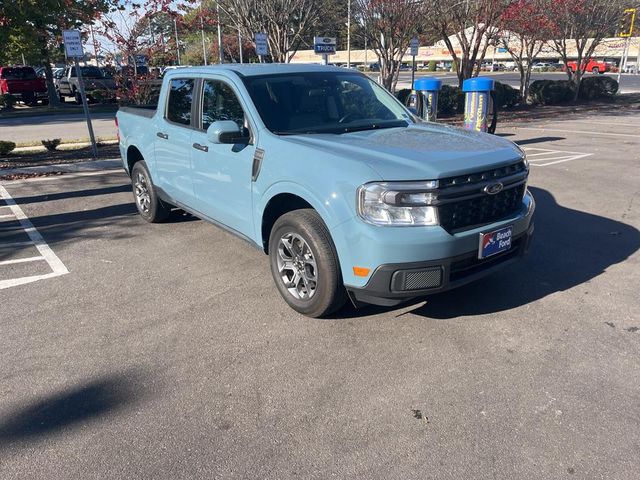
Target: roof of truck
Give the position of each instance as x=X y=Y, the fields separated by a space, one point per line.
x=254 y=69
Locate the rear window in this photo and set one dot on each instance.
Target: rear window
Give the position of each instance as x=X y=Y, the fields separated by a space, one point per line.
x=18 y=73
x=87 y=72
x=180 y=99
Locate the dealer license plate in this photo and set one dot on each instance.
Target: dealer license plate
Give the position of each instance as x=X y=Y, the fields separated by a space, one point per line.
x=495 y=242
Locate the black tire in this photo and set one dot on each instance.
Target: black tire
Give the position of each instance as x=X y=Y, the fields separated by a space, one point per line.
x=595 y=70
x=329 y=294
x=61 y=97
x=77 y=97
x=149 y=206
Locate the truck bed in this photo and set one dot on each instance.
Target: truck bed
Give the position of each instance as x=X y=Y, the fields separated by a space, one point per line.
x=147 y=111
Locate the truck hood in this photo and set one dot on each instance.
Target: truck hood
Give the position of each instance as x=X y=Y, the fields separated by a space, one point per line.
x=418 y=152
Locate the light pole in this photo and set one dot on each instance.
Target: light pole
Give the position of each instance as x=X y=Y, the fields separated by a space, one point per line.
x=175 y=28
x=204 y=48
x=349 y=34
x=220 y=52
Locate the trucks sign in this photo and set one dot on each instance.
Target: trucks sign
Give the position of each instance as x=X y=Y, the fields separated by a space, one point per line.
x=324 y=45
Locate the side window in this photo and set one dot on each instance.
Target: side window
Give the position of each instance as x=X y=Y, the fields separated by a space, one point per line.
x=219 y=102
x=72 y=72
x=179 y=102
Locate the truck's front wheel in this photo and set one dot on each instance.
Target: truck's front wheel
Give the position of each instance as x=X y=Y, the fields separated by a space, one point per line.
x=149 y=206
x=304 y=264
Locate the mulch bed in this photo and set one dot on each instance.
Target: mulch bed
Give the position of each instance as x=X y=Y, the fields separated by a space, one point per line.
x=32 y=159
x=22 y=176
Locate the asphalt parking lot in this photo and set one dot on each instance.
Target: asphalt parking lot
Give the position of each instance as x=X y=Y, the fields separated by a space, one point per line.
x=165 y=351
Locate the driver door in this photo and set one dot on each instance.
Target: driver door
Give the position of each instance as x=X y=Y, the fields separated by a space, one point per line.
x=222 y=172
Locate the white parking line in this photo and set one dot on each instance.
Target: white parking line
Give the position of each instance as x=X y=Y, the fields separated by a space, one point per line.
x=21 y=260
x=46 y=253
x=540 y=129
x=7 y=216
x=545 y=157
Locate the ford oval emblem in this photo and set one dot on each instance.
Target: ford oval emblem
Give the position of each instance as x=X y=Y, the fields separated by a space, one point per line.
x=493 y=188
x=327 y=40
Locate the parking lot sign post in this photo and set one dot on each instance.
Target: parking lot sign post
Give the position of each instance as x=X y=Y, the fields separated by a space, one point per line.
x=73 y=49
x=262 y=45
x=324 y=46
x=415 y=46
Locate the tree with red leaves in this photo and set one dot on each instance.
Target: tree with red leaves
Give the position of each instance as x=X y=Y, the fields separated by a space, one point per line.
x=525 y=28
x=389 y=26
x=39 y=25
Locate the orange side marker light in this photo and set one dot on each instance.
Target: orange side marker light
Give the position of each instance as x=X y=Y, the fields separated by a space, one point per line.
x=360 y=271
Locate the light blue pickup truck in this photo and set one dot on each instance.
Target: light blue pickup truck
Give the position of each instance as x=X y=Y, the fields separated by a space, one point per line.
x=350 y=195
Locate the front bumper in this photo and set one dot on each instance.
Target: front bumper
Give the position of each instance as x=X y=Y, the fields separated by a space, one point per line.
x=411 y=262
x=387 y=285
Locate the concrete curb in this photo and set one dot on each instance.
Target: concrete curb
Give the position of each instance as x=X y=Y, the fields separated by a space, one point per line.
x=80 y=167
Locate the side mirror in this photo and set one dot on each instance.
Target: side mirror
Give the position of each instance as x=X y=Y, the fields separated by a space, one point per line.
x=226 y=131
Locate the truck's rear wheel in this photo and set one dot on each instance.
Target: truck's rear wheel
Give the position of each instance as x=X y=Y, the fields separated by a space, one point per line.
x=149 y=206
x=304 y=264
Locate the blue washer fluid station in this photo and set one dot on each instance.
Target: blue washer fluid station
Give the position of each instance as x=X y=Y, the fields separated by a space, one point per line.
x=428 y=88
x=477 y=103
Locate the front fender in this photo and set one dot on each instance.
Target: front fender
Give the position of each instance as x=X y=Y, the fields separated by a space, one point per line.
x=332 y=206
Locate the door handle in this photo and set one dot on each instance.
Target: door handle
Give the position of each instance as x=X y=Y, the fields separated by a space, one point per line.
x=202 y=148
x=162 y=135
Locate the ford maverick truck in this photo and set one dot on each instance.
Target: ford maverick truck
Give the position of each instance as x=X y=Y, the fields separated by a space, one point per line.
x=349 y=194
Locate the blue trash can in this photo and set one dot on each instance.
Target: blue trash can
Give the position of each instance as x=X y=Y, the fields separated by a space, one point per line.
x=428 y=89
x=477 y=103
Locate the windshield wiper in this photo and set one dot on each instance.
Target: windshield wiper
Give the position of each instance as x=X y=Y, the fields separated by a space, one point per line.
x=374 y=126
x=339 y=130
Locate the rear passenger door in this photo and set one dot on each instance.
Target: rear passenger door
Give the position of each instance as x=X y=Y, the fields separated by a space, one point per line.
x=173 y=142
x=222 y=172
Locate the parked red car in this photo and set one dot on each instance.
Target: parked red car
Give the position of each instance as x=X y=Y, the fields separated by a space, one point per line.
x=591 y=65
x=23 y=83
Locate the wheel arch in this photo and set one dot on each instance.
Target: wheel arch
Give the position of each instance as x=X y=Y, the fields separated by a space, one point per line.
x=277 y=206
x=134 y=155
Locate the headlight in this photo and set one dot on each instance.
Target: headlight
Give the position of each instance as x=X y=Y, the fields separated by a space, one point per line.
x=399 y=203
x=523 y=155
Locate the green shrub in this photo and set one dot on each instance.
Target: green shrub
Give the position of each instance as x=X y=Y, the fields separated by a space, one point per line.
x=402 y=94
x=505 y=95
x=432 y=66
x=551 y=92
x=592 y=88
x=6 y=147
x=51 y=145
x=450 y=101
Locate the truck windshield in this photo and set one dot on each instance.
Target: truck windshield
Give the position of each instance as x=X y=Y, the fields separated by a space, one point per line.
x=323 y=102
x=19 y=73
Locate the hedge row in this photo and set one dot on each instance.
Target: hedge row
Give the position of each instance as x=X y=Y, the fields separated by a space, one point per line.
x=541 y=92
x=553 y=92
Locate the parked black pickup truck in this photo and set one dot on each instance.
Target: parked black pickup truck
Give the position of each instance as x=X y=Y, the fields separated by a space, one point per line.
x=96 y=84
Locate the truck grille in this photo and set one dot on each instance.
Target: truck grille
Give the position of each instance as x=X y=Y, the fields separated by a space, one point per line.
x=464 y=204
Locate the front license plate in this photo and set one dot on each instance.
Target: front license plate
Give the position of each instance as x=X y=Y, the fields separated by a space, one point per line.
x=495 y=242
